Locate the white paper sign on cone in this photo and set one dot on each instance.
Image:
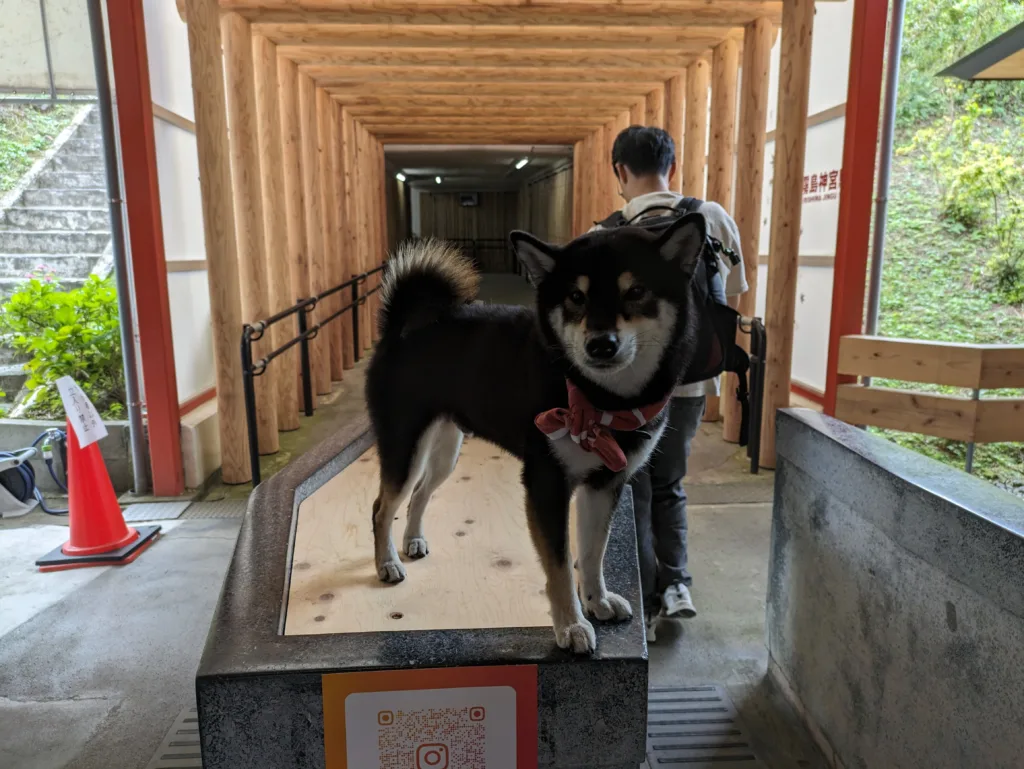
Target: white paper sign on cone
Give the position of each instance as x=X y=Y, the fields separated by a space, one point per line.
x=85 y=419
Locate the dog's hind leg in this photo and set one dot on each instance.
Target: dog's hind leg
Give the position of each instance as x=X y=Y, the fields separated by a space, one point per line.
x=395 y=487
x=442 y=455
x=594 y=508
x=547 y=512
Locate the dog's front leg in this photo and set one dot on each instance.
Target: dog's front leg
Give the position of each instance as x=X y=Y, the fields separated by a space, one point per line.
x=547 y=512
x=594 y=508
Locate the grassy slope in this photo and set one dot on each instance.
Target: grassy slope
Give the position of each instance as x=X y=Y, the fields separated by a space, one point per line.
x=932 y=289
x=25 y=134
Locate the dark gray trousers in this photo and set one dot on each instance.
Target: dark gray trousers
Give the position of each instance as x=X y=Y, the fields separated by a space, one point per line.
x=659 y=503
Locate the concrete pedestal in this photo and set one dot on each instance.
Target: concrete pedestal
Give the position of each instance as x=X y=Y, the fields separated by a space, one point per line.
x=260 y=692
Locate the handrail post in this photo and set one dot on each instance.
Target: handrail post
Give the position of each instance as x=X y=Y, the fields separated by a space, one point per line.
x=249 y=389
x=355 y=316
x=307 y=382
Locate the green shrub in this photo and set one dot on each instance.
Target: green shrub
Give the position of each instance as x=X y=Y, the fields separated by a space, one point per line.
x=68 y=333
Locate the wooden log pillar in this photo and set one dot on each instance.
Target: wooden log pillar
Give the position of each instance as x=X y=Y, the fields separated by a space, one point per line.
x=339 y=173
x=381 y=219
x=636 y=114
x=787 y=198
x=620 y=124
x=654 y=108
x=593 y=185
x=275 y=226
x=206 y=59
x=605 y=177
x=292 y=183
x=757 y=49
x=328 y=217
x=246 y=182
x=695 y=143
x=577 y=187
x=675 y=99
x=352 y=266
x=363 y=223
x=725 y=62
x=319 y=352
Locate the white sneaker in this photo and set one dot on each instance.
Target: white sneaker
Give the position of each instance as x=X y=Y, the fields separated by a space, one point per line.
x=652 y=624
x=676 y=602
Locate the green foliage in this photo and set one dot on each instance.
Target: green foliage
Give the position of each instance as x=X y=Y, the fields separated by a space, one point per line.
x=938 y=33
x=26 y=132
x=73 y=333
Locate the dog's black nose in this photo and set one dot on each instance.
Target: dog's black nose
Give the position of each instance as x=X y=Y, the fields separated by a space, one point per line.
x=603 y=346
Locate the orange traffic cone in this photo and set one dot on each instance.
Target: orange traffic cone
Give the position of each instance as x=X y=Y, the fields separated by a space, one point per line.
x=99 y=535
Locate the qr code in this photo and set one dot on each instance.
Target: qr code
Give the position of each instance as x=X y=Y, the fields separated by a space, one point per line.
x=432 y=738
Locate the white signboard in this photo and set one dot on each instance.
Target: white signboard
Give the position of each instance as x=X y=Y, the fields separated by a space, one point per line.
x=85 y=419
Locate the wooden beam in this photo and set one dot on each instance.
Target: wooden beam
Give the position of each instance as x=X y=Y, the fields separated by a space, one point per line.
x=675 y=100
x=474 y=137
x=329 y=222
x=636 y=113
x=292 y=181
x=311 y=170
x=538 y=106
x=490 y=36
x=275 y=225
x=629 y=90
x=757 y=48
x=529 y=114
x=328 y=75
x=473 y=119
x=787 y=197
x=698 y=76
x=654 y=108
x=942 y=416
x=663 y=14
x=246 y=182
x=205 y=56
x=725 y=64
x=342 y=266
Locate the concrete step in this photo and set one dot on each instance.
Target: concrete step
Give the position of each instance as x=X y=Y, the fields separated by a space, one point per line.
x=51 y=218
x=8 y=355
x=91 y=145
x=52 y=242
x=12 y=378
x=95 y=197
x=54 y=179
x=64 y=265
x=80 y=162
x=9 y=285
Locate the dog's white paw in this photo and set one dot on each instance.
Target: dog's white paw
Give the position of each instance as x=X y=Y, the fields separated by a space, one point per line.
x=416 y=547
x=579 y=637
x=391 y=572
x=611 y=606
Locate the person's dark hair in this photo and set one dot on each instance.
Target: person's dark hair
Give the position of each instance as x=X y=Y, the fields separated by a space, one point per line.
x=644 y=150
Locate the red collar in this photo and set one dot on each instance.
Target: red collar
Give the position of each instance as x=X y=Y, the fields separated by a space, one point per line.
x=590 y=427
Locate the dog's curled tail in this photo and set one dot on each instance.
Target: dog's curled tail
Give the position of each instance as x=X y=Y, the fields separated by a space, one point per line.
x=422 y=282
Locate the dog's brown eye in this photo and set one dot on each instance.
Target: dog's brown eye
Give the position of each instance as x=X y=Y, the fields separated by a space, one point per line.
x=636 y=292
x=577 y=297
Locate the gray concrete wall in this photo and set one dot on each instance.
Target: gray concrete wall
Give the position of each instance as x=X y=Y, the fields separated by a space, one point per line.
x=896 y=602
x=19 y=434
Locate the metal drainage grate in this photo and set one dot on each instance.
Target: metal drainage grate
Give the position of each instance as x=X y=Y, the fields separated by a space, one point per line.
x=224 y=508
x=155 y=511
x=180 y=748
x=695 y=727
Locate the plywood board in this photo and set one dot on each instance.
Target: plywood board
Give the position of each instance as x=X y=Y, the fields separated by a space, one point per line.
x=482 y=570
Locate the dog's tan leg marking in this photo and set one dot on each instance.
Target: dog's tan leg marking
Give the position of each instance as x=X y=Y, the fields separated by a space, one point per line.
x=594 y=510
x=441 y=460
x=572 y=630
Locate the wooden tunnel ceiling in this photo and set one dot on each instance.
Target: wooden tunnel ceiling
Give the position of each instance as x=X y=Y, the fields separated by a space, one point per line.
x=497 y=71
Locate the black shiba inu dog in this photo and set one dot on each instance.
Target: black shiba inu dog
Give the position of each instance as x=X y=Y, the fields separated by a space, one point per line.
x=575 y=390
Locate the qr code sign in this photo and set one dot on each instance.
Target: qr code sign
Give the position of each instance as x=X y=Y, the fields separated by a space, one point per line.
x=469 y=728
x=436 y=738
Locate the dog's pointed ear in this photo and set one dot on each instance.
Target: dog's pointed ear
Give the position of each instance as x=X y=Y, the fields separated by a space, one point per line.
x=537 y=256
x=684 y=240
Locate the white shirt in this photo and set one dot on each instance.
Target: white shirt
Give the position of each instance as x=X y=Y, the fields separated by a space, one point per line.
x=721 y=227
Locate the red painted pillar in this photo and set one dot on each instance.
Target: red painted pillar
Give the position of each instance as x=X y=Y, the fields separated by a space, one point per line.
x=863 y=105
x=149 y=270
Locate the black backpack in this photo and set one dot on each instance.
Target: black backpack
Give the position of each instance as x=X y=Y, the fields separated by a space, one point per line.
x=717 y=349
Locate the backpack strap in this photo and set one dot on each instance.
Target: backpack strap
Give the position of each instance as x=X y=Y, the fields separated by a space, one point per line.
x=616 y=219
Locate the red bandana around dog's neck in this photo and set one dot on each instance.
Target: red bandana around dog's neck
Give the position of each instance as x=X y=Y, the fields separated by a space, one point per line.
x=589 y=427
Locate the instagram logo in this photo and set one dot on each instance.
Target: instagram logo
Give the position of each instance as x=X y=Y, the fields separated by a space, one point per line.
x=432 y=757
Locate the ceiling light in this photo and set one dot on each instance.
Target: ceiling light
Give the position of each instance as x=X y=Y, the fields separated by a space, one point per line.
x=400 y=176
x=437 y=179
x=522 y=163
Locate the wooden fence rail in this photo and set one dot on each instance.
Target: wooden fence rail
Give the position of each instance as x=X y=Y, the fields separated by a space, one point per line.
x=975 y=367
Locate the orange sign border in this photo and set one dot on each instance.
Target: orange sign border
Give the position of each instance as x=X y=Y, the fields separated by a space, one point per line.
x=338 y=686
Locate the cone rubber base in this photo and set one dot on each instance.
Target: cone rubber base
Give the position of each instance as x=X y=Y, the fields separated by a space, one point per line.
x=56 y=560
